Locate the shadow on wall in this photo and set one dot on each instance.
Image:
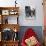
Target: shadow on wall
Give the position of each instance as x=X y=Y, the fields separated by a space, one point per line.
x=37 y=29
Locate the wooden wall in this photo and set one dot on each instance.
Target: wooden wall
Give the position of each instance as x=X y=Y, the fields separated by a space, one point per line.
x=11 y=26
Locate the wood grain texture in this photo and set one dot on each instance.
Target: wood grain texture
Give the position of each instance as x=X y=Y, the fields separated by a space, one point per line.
x=10 y=43
x=11 y=26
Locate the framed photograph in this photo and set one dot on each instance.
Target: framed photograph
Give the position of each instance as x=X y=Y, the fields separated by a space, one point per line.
x=30 y=12
x=5 y=12
x=13 y=20
x=5 y=20
x=6 y=34
x=10 y=19
x=13 y=12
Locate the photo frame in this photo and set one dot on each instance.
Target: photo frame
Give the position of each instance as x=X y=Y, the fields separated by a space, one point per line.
x=5 y=12
x=30 y=12
x=13 y=12
x=10 y=19
x=13 y=20
x=5 y=20
x=7 y=34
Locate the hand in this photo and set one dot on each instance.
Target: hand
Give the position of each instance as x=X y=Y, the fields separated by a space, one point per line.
x=32 y=41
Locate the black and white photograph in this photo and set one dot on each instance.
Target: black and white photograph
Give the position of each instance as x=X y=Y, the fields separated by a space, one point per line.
x=30 y=12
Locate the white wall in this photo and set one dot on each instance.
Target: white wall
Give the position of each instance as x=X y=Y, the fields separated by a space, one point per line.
x=38 y=21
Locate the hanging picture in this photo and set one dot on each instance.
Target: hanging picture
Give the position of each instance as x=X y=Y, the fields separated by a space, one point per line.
x=5 y=12
x=13 y=20
x=7 y=34
x=30 y=12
